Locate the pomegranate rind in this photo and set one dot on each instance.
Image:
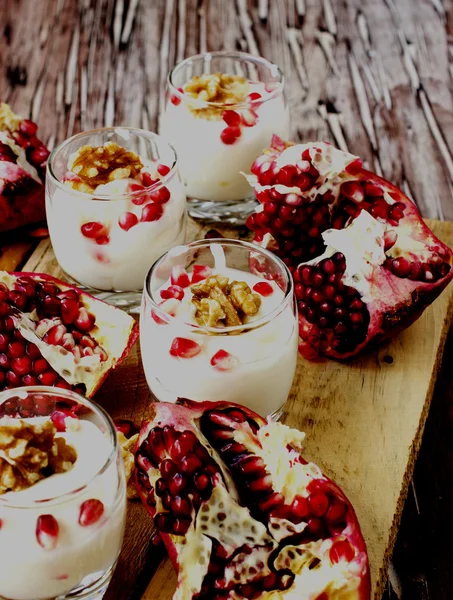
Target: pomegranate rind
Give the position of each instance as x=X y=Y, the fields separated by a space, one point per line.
x=393 y=302
x=115 y=331
x=186 y=416
x=16 y=207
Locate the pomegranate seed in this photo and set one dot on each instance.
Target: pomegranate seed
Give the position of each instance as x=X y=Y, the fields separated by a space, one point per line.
x=341 y=550
x=39 y=366
x=287 y=175
x=200 y=272
x=28 y=128
x=127 y=220
x=179 y=276
x=254 y=96
x=230 y=134
x=38 y=155
x=224 y=361
x=12 y=379
x=167 y=468
x=102 y=240
x=184 y=445
x=173 y=291
x=160 y=196
x=30 y=380
x=21 y=366
x=151 y=212
x=263 y=288
x=174 y=99
x=318 y=503
x=58 y=418
x=336 y=512
x=401 y=267
x=163 y=170
x=181 y=526
x=47 y=530
x=90 y=512
x=299 y=507
x=353 y=190
x=69 y=310
x=16 y=349
x=92 y=229
x=48 y=378
x=54 y=336
x=177 y=484
x=202 y=482
x=231 y=117
x=84 y=320
x=184 y=348
x=190 y=463
x=181 y=506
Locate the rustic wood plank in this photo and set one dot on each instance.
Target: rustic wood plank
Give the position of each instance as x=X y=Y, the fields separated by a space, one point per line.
x=373 y=77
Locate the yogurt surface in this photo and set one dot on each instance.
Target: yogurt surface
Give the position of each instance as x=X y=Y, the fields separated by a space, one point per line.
x=82 y=553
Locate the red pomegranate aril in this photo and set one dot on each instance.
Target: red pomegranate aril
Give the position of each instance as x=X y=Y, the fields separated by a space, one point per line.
x=4 y=340
x=16 y=349
x=263 y=288
x=58 y=418
x=12 y=379
x=84 y=320
x=202 y=482
x=39 y=366
x=28 y=127
x=229 y=135
x=318 y=504
x=29 y=380
x=92 y=229
x=181 y=506
x=151 y=212
x=102 y=240
x=168 y=468
x=182 y=446
x=200 y=272
x=38 y=155
x=341 y=550
x=224 y=361
x=48 y=378
x=191 y=463
x=160 y=196
x=4 y=361
x=336 y=512
x=299 y=507
x=21 y=366
x=47 y=531
x=32 y=351
x=90 y=512
x=173 y=291
x=232 y=118
x=401 y=267
x=163 y=170
x=179 y=276
x=184 y=348
x=287 y=175
x=127 y=220
x=254 y=96
x=177 y=484
x=54 y=336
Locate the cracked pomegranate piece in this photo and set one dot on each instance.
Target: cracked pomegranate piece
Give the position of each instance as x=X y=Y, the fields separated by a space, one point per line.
x=23 y=159
x=51 y=333
x=365 y=265
x=241 y=512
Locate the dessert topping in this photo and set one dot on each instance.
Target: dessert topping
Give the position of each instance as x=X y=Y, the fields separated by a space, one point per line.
x=99 y=165
x=30 y=452
x=220 y=303
x=216 y=88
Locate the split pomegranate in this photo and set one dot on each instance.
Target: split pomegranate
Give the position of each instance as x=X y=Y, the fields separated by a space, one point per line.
x=241 y=512
x=365 y=264
x=23 y=159
x=53 y=334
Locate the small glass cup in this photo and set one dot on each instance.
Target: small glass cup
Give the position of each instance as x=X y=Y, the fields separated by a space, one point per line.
x=105 y=241
x=252 y=364
x=79 y=562
x=215 y=140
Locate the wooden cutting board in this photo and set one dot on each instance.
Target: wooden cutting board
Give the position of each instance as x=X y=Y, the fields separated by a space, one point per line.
x=364 y=422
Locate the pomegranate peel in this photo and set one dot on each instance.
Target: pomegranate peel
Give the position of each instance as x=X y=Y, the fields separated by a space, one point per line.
x=23 y=160
x=241 y=512
x=318 y=207
x=58 y=335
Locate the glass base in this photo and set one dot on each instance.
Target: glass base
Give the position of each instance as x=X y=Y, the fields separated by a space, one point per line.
x=94 y=591
x=127 y=301
x=232 y=212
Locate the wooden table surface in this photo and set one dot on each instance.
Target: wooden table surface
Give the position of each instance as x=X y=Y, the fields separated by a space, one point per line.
x=371 y=76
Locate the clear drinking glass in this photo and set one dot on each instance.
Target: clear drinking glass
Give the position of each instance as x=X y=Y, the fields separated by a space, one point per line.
x=105 y=240
x=253 y=363
x=218 y=138
x=79 y=561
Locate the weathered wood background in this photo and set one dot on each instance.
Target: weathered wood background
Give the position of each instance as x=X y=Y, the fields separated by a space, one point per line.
x=372 y=76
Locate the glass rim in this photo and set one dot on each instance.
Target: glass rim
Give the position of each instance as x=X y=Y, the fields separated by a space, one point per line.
x=97 y=409
x=110 y=197
x=244 y=328
x=259 y=60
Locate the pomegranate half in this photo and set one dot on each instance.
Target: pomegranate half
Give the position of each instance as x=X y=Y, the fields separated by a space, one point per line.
x=23 y=159
x=241 y=512
x=365 y=264
x=53 y=334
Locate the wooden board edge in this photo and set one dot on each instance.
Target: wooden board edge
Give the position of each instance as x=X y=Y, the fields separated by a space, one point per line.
x=413 y=454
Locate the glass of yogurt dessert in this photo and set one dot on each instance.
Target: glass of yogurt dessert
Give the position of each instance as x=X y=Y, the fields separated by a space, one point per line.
x=222 y=109
x=114 y=203
x=62 y=496
x=219 y=322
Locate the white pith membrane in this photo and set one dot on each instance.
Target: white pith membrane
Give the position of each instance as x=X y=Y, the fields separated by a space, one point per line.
x=279 y=446
x=112 y=331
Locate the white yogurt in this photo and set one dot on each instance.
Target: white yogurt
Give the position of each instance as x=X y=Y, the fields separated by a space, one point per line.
x=82 y=554
x=263 y=364
x=210 y=169
x=120 y=265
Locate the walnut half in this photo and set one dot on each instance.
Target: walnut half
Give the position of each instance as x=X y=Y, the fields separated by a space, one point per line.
x=216 y=88
x=30 y=452
x=220 y=303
